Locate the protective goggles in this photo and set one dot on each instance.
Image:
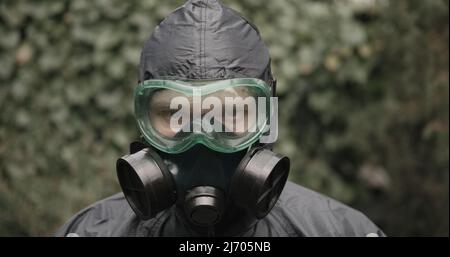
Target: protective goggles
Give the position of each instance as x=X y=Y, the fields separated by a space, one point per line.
x=224 y=115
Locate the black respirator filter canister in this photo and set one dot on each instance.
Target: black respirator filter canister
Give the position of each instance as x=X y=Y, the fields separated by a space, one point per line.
x=257 y=183
x=146 y=183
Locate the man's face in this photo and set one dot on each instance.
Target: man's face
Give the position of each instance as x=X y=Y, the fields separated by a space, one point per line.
x=233 y=108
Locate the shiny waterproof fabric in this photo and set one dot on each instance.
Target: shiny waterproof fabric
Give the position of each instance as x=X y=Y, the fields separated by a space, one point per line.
x=298 y=212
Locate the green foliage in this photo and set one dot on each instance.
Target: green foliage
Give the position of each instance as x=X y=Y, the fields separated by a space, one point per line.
x=363 y=89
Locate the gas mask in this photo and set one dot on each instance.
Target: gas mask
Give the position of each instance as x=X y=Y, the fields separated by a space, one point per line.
x=201 y=150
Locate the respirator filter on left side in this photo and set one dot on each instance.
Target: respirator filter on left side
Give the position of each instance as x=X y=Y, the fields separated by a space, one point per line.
x=146 y=183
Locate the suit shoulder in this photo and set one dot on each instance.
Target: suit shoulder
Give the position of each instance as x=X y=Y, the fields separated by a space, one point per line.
x=98 y=219
x=310 y=213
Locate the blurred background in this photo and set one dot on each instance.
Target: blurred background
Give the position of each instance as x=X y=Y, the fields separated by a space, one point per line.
x=363 y=87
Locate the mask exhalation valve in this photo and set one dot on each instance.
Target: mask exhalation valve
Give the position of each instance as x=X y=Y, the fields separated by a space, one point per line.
x=204 y=205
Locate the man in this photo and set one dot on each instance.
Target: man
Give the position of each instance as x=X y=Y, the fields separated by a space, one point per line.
x=204 y=168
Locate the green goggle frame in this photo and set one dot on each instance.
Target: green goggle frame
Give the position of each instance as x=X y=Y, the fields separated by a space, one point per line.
x=151 y=123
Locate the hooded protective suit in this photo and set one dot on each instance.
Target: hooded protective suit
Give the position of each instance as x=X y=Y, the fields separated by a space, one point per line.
x=204 y=40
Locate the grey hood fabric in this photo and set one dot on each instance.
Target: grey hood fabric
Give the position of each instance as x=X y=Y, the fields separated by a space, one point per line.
x=298 y=212
x=206 y=40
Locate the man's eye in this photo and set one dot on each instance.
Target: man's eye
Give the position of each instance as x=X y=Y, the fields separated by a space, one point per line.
x=169 y=113
x=162 y=113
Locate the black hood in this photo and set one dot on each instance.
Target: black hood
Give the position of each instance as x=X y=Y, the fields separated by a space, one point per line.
x=205 y=40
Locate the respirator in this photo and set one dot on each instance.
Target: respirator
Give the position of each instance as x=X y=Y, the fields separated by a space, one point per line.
x=200 y=150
